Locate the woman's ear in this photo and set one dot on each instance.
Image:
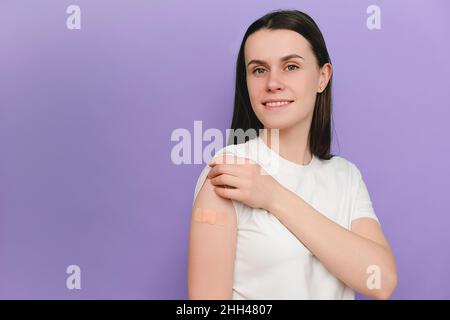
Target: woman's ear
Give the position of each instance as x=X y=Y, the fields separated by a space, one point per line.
x=325 y=74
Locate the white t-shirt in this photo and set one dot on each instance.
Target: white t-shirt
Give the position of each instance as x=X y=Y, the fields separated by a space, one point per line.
x=271 y=263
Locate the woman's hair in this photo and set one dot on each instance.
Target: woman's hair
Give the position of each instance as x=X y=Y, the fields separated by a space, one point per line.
x=243 y=115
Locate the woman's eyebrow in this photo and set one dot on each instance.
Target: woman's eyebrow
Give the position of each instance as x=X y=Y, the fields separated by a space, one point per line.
x=282 y=59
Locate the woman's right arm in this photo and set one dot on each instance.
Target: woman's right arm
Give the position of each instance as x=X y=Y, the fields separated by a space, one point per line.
x=212 y=246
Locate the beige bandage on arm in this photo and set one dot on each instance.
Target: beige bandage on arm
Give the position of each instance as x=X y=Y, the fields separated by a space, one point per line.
x=212 y=246
x=210 y=216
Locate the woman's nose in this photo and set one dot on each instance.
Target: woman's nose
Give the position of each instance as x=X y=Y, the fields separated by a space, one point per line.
x=274 y=82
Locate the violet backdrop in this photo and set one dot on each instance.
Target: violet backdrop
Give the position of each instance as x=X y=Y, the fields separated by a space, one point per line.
x=86 y=116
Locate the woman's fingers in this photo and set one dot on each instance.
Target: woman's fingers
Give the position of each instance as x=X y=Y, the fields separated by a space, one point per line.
x=234 y=166
x=218 y=169
x=230 y=159
x=226 y=180
x=227 y=193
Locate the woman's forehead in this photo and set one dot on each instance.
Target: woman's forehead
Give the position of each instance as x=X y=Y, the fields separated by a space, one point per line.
x=272 y=45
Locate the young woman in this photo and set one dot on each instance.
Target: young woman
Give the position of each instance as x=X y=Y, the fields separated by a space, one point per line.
x=308 y=230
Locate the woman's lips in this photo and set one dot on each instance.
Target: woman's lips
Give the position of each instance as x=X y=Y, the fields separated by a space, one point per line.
x=277 y=107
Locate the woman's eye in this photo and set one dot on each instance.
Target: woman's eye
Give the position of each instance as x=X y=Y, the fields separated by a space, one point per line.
x=255 y=71
x=292 y=65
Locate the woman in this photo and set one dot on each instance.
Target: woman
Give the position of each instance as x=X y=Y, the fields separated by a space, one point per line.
x=308 y=229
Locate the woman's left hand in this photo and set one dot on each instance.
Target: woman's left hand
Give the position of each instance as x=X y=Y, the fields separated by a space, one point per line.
x=244 y=180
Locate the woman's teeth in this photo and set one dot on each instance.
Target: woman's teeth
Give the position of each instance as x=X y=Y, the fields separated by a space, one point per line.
x=277 y=104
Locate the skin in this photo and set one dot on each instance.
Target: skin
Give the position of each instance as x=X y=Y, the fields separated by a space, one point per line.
x=295 y=79
x=212 y=248
x=360 y=247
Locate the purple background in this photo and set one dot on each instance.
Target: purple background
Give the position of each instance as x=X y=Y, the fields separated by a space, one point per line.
x=86 y=117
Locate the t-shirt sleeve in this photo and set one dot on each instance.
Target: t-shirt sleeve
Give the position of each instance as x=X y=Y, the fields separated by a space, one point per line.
x=362 y=205
x=200 y=180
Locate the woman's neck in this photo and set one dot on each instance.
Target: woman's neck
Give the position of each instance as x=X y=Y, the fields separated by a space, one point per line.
x=293 y=144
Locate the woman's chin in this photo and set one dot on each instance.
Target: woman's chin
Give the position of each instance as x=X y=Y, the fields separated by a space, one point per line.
x=277 y=124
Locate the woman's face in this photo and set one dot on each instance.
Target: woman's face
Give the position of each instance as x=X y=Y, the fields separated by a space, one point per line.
x=296 y=79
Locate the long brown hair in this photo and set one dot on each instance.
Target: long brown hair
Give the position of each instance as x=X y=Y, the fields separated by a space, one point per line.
x=243 y=115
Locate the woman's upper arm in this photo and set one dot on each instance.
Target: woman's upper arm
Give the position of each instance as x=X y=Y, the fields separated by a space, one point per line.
x=212 y=246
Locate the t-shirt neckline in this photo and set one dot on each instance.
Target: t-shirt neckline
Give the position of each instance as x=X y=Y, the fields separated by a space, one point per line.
x=285 y=162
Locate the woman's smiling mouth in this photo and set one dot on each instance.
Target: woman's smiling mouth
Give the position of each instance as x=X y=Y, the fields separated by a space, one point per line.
x=276 y=105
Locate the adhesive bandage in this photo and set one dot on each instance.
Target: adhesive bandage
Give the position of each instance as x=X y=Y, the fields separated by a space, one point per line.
x=210 y=216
